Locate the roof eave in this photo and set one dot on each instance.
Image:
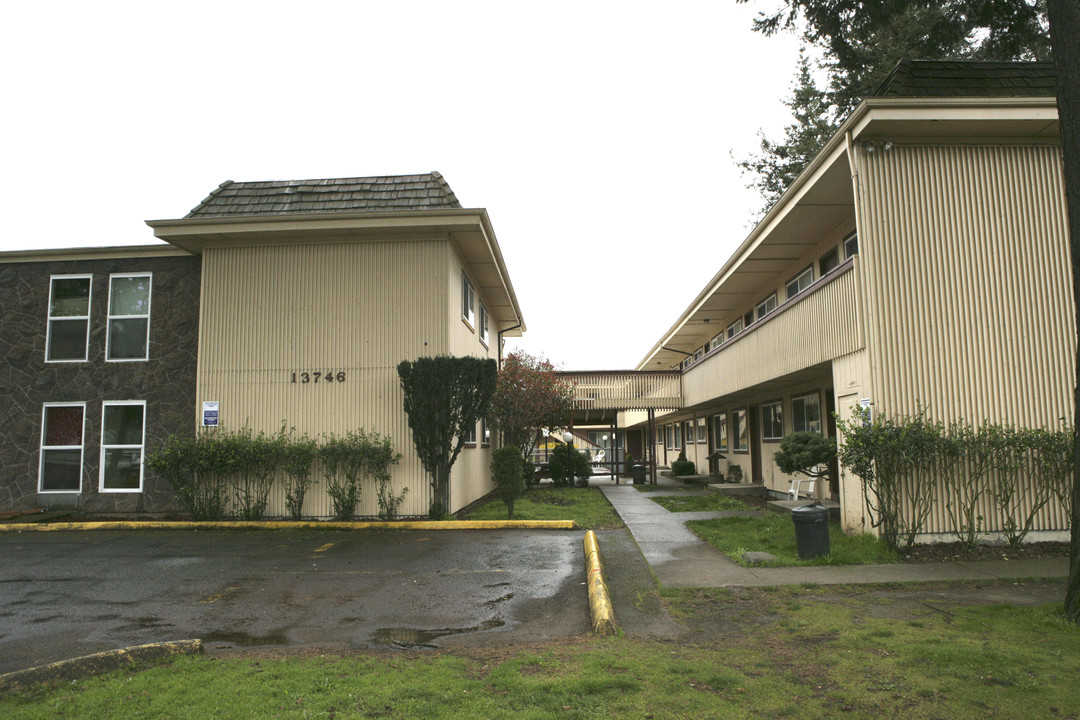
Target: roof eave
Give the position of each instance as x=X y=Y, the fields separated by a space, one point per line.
x=1040 y=111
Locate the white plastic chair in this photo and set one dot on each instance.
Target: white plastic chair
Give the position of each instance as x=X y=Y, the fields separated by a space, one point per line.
x=797 y=481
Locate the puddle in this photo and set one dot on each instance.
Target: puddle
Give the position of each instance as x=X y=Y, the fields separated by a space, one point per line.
x=244 y=640
x=411 y=638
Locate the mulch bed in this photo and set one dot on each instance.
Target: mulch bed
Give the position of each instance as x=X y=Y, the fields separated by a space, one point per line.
x=954 y=552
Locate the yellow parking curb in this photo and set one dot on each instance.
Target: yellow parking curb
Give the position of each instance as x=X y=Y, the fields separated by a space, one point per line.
x=296 y=525
x=102 y=662
x=603 y=614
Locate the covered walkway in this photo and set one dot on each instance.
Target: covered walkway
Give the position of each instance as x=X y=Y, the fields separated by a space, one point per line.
x=599 y=397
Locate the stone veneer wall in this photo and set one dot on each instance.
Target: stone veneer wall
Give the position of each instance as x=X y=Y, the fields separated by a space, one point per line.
x=166 y=381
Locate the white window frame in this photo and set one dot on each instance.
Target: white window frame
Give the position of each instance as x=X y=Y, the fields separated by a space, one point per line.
x=470 y=436
x=720 y=432
x=43 y=447
x=734 y=328
x=808 y=428
x=852 y=239
x=678 y=436
x=50 y=317
x=716 y=342
x=779 y=404
x=740 y=430
x=688 y=433
x=110 y=316
x=483 y=325
x=468 y=300
x=141 y=447
x=699 y=353
x=766 y=306
x=702 y=431
x=485 y=433
x=800 y=282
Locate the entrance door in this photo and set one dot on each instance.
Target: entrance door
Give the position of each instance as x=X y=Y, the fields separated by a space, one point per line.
x=754 y=428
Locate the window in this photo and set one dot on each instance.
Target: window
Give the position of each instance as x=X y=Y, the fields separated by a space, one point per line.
x=766 y=306
x=69 y=318
x=699 y=353
x=678 y=435
x=851 y=245
x=468 y=299
x=738 y=430
x=129 y=317
x=61 y=447
x=485 y=434
x=734 y=328
x=800 y=282
x=470 y=435
x=686 y=362
x=483 y=324
x=688 y=432
x=748 y=319
x=720 y=432
x=669 y=437
x=828 y=261
x=702 y=431
x=716 y=341
x=772 y=420
x=123 y=427
x=806 y=413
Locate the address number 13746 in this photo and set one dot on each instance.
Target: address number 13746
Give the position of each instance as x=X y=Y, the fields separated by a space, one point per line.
x=316 y=376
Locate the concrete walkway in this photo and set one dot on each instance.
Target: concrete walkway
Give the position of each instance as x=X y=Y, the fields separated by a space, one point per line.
x=680 y=559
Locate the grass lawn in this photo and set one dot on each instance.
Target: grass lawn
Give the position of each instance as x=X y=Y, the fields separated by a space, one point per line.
x=776 y=534
x=699 y=503
x=805 y=654
x=586 y=506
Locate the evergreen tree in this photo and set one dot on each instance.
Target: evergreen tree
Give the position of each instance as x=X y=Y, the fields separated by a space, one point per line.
x=860 y=42
x=444 y=398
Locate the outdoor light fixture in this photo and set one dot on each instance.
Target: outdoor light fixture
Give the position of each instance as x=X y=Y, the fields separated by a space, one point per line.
x=568 y=437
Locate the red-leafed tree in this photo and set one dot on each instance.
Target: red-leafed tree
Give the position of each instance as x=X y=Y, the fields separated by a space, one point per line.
x=529 y=398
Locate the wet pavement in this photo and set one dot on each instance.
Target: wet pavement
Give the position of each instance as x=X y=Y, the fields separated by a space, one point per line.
x=65 y=594
x=681 y=559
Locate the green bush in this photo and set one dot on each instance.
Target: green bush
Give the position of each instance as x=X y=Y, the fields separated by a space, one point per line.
x=734 y=474
x=567 y=463
x=187 y=464
x=906 y=461
x=682 y=466
x=297 y=457
x=506 y=468
x=808 y=453
x=628 y=464
x=205 y=468
x=528 y=472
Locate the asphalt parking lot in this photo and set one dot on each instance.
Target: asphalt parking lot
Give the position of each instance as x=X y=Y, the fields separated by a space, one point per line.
x=65 y=594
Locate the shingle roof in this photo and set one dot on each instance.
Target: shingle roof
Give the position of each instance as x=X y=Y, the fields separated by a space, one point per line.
x=392 y=193
x=964 y=78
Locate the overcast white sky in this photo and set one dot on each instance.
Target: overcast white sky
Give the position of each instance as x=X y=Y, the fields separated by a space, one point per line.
x=597 y=134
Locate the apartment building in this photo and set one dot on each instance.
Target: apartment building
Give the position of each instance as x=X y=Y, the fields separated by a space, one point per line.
x=275 y=304
x=921 y=260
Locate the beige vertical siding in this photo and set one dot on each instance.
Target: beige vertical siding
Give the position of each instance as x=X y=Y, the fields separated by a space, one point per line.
x=816 y=328
x=968 y=285
x=470 y=478
x=352 y=307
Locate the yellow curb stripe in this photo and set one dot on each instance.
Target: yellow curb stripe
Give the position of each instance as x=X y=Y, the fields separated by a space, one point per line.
x=603 y=614
x=90 y=665
x=297 y=525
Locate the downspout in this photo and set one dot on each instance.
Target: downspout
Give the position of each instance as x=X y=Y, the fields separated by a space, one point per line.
x=500 y=338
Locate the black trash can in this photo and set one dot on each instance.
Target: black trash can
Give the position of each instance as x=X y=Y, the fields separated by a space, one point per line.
x=811 y=530
x=638 y=471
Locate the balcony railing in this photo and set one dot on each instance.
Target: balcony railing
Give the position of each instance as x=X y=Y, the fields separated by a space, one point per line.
x=818 y=325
